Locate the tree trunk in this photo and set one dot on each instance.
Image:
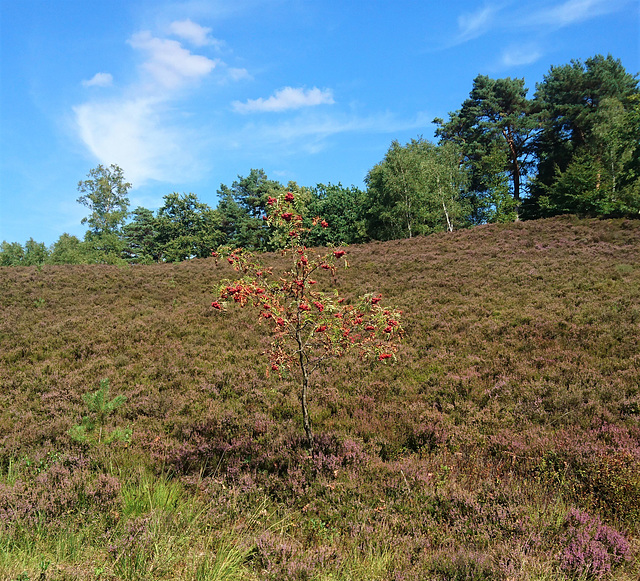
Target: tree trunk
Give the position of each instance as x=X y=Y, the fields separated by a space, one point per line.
x=306 y=423
x=449 y=224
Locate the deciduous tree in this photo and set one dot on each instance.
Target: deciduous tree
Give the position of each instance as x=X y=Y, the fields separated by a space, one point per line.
x=416 y=189
x=105 y=194
x=343 y=208
x=308 y=326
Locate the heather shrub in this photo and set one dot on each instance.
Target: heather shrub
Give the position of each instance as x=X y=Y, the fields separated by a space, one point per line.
x=259 y=454
x=133 y=551
x=591 y=548
x=463 y=566
x=517 y=398
x=47 y=491
x=281 y=557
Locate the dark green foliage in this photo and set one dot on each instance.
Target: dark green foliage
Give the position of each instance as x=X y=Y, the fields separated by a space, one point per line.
x=494 y=130
x=242 y=207
x=186 y=228
x=344 y=209
x=590 y=117
x=141 y=238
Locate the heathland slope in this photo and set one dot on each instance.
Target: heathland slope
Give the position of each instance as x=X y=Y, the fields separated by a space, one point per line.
x=503 y=444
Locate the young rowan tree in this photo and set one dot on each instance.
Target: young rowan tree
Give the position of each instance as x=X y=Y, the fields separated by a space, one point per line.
x=308 y=326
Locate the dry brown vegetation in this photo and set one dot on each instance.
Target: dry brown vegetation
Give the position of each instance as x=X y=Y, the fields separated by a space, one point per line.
x=504 y=444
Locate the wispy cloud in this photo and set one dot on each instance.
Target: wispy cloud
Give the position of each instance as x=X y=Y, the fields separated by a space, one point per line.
x=286 y=99
x=136 y=129
x=99 y=80
x=474 y=24
x=518 y=55
x=538 y=17
x=310 y=131
x=138 y=136
x=530 y=22
x=571 y=12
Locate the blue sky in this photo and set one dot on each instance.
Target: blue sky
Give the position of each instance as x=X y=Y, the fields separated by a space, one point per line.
x=186 y=95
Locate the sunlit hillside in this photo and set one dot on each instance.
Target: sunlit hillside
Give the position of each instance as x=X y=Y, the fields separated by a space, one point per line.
x=503 y=444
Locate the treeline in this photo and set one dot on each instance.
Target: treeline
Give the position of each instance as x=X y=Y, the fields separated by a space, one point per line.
x=185 y=227
x=573 y=147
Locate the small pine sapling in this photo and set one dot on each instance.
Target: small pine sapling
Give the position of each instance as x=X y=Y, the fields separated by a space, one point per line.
x=308 y=326
x=100 y=408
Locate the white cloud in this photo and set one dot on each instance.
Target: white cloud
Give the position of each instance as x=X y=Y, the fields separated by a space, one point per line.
x=168 y=62
x=286 y=99
x=239 y=74
x=138 y=136
x=193 y=33
x=99 y=80
x=137 y=130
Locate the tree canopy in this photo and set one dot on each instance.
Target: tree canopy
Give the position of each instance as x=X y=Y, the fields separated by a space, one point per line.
x=416 y=189
x=588 y=145
x=494 y=130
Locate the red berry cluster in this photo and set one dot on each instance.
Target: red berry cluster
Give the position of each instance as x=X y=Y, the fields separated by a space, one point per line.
x=300 y=314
